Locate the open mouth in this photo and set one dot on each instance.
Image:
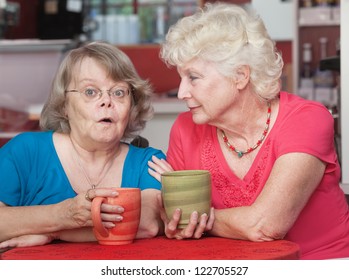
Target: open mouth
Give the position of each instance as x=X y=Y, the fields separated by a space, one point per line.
x=106 y=120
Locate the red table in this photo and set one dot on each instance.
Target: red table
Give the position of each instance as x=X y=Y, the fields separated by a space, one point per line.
x=161 y=248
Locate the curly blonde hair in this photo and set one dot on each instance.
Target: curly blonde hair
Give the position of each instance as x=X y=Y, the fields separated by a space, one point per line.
x=228 y=36
x=119 y=67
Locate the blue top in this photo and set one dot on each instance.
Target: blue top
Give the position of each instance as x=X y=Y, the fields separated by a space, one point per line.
x=31 y=172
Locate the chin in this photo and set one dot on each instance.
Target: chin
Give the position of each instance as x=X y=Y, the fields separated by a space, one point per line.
x=106 y=136
x=199 y=119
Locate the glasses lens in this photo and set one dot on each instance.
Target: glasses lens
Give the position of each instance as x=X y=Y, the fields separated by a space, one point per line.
x=90 y=93
x=119 y=93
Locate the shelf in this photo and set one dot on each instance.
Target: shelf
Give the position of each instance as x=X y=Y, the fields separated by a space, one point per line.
x=33 y=45
x=319 y=24
x=319 y=16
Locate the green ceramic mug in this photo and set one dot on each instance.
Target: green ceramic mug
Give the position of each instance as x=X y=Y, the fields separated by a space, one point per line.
x=188 y=190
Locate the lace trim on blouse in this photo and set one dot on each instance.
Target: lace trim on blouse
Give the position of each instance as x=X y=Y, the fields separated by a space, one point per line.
x=233 y=191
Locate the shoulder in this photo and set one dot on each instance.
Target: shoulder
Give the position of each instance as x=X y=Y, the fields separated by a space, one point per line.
x=293 y=103
x=144 y=153
x=29 y=140
x=27 y=147
x=293 y=107
x=304 y=126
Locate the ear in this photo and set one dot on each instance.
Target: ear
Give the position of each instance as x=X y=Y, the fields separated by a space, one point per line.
x=242 y=76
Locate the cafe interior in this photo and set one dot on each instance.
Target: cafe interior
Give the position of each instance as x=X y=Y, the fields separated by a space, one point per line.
x=35 y=35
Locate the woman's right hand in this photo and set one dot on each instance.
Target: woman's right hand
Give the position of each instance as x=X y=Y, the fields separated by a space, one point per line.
x=196 y=228
x=76 y=211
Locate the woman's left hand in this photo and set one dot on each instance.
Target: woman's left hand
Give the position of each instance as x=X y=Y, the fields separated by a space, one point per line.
x=195 y=229
x=157 y=167
x=27 y=240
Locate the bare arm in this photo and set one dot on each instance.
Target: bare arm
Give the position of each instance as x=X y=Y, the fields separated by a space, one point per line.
x=46 y=219
x=292 y=181
x=150 y=224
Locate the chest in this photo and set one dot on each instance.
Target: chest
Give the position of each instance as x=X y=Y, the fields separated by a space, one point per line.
x=236 y=181
x=240 y=166
x=83 y=176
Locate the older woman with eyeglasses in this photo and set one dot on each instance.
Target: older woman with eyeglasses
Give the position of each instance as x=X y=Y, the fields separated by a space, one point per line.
x=48 y=179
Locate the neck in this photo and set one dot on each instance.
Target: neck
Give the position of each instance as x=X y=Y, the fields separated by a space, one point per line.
x=93 y=152
x=244 y=119
x=252 y=145
x=94 y=165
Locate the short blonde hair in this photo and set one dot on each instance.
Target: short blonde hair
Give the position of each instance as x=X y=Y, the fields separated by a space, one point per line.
x=119 y=67
x=228 y=36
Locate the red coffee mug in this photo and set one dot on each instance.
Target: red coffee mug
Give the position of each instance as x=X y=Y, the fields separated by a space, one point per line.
x=124 y=231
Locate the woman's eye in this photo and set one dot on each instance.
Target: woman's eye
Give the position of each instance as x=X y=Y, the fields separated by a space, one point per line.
x=91 y=92
x=119 y=93
x=192 y=77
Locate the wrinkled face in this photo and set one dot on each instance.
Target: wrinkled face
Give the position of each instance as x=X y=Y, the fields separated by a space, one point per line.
x=207 y=92
x=93 y=116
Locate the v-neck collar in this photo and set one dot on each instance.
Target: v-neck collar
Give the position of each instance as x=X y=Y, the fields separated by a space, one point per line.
x=253 y=168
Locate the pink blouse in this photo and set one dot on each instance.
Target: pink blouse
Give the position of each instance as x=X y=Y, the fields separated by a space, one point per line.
x=322 y=228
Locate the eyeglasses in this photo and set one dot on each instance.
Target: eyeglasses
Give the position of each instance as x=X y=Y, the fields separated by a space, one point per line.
x=93 y=94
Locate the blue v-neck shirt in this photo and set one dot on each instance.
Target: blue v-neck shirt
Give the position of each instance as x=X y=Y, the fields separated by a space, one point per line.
x=31 y=172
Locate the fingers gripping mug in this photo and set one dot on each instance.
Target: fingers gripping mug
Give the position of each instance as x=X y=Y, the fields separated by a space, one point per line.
x=188 y=190
x=124 y=231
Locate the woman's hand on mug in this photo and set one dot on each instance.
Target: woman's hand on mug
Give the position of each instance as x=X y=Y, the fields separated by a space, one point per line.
x=78 y=209
x=196 y=227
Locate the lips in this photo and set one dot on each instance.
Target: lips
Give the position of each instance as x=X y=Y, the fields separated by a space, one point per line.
x=106 y=120
x=193 y=107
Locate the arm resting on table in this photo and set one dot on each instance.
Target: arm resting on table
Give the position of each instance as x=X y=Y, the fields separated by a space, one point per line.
x=292 y=181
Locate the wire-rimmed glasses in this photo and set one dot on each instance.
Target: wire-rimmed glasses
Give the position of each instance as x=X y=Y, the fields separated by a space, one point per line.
x=117 y=93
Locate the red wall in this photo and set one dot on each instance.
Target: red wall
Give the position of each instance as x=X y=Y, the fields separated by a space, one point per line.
x=149 y=65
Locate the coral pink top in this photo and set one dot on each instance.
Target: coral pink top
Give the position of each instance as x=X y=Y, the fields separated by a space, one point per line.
x=322 y=228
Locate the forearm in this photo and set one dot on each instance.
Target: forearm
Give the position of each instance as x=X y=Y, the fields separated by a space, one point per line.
x=242 y=223
x=17 y=221
x=75 y=235
x=42 y=219
x=150 y=223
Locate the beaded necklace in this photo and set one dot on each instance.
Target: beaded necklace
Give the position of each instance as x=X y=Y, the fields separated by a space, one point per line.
x=260 y=140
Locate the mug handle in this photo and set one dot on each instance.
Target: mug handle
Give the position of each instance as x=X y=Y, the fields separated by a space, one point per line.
x=96 y=216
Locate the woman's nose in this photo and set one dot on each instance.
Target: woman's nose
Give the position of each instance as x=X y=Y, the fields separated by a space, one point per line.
x=183 y=91
x=105 y=99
